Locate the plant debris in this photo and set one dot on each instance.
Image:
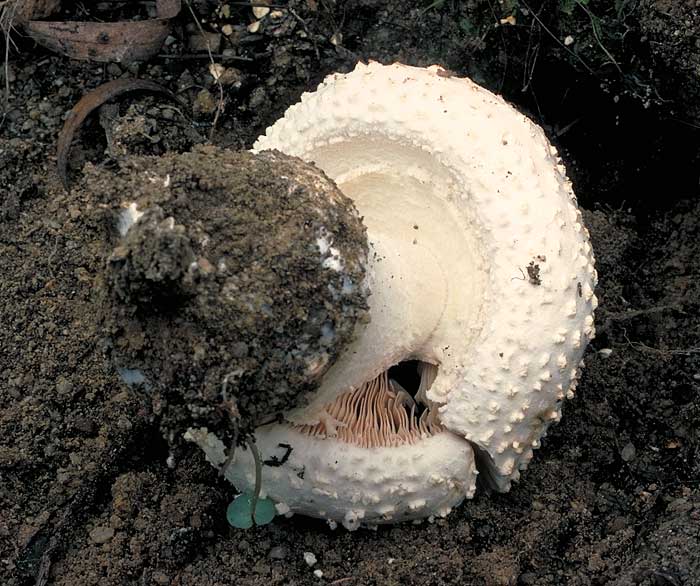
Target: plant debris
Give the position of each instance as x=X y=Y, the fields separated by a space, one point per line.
x=90 y=102
x=124 y=41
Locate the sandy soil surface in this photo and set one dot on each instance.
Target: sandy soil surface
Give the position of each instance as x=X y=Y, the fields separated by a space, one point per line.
x=90 y=490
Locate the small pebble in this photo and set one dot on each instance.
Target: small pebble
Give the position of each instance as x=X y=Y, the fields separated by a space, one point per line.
x=85 y=425
x=618 y=524
x=161 y=578
x=258 y=98
x=63 y=386
x=318 y=573
x=628 y=452
x=310 y=558
x=261 y=11
x=101 y=534
x=114 y=70
x=199 y=43
x=680 y=505
x=204 y=103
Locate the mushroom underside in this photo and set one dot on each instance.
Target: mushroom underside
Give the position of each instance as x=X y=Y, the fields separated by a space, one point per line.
x=372 y=415
x=481 y=279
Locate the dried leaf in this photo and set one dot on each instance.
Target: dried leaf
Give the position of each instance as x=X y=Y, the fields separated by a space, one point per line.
x=28 y=9
x=90 y=102
x=107 y=41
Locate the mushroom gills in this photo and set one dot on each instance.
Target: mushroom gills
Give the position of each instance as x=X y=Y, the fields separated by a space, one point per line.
x=382 y=412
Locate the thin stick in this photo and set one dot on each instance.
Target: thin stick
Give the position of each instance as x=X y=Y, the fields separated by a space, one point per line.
x=258 y=478
x=8 y=13
x=220 y=105
x=191 y=56
x=302 y=22
x=257 y=5
x=551 y=34
x=596 y=34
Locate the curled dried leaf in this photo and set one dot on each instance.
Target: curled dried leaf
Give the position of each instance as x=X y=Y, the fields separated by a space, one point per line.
x=121 y=42
x=89 y=103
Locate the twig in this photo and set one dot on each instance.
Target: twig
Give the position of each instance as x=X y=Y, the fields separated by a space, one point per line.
x=257 y=5
x=505 y=46
x=258 y=478
x=527 y=76
x=623 y=315
x=551 y=34
x=301 y=21
x=437 y=4
x=683 y=122
x=565 y=129
x=596 y=33
x=49 y=260
x=674 y=352
x=221 y=104
x=192 y=56
x=8 y=13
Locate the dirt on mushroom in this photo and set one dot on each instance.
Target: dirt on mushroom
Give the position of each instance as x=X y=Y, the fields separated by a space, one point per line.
x=218 y=298
x=88 y=492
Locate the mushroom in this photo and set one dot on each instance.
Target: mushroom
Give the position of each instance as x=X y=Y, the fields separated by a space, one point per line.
x=481 y=306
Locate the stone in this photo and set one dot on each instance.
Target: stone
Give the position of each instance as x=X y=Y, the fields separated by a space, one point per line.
x=100 y=534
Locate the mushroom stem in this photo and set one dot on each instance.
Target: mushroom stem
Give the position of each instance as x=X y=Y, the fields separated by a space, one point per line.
x=425 y=272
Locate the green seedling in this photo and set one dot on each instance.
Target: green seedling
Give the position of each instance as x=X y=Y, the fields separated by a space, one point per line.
x=248 y=509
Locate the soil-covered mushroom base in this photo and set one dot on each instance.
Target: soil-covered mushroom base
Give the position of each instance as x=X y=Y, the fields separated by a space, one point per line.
x=216 y=293
x=90 y=492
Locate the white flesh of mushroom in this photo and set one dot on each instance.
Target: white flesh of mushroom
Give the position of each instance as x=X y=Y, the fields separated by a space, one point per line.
x=480 y=265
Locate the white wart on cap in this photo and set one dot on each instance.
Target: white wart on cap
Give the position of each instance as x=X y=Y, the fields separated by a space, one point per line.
x=482 y=282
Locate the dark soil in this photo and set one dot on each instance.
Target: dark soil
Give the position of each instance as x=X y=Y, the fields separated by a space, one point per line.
x=89 y=490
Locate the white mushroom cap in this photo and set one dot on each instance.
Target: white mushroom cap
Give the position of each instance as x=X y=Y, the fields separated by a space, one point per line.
x=481 y=266
x=340 y=482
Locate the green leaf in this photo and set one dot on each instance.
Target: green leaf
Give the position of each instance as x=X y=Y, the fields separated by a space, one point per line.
x=567 y=6
x=239 y=512
x=434 y=5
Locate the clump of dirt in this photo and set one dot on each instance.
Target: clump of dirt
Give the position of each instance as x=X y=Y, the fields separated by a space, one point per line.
x=91 y=493
x=233 y=282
